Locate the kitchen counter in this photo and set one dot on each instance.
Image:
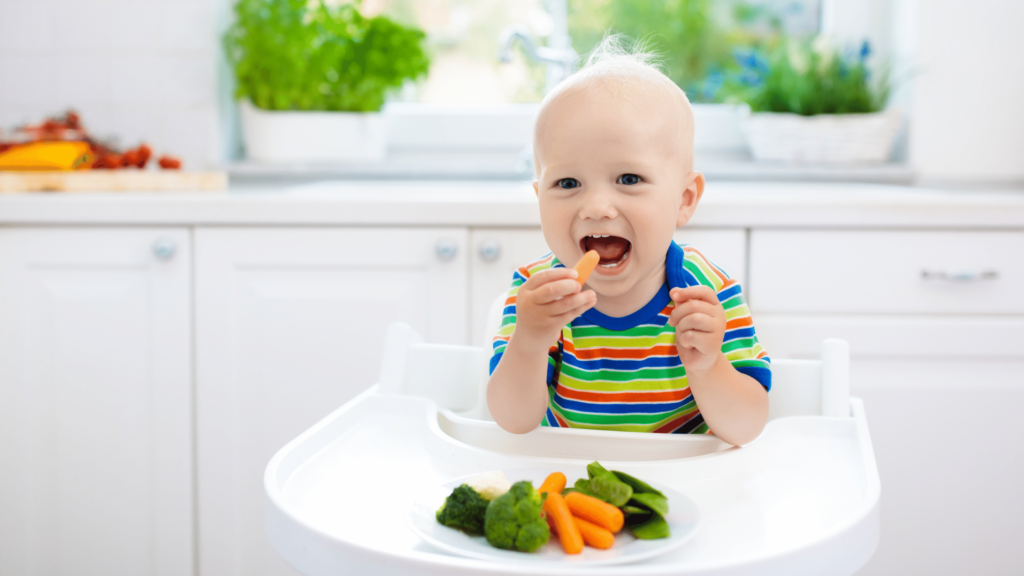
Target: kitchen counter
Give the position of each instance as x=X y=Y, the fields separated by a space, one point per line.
x=490 y=203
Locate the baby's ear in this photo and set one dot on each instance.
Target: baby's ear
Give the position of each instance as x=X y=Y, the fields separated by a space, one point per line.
x=691 y=196
x=536 y=189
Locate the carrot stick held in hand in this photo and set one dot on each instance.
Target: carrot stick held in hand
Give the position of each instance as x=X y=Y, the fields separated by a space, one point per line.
x=586 y=265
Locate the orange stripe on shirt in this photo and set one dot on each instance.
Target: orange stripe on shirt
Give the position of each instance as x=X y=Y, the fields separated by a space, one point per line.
x=739 y=323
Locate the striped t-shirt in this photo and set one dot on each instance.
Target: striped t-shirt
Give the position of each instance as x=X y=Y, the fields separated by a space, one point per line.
x=624 y=373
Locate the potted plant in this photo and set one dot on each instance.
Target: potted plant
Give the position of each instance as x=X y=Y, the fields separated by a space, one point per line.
x=809 y=103
x=312 y=78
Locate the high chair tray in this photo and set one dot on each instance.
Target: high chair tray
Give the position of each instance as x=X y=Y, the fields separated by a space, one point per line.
x=801 y=499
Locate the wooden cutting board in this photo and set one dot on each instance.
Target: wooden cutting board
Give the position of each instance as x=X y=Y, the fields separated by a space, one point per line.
x=112 y=181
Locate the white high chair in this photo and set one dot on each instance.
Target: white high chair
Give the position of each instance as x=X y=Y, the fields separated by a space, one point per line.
x=803 y=498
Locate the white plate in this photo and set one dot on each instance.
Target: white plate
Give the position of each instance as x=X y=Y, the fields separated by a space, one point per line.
x=683 y=519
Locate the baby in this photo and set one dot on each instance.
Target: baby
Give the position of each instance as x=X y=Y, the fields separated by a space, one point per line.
x=661 y=339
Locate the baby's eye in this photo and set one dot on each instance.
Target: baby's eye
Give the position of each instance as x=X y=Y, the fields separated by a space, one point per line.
x=569 y=183
x=628 y=179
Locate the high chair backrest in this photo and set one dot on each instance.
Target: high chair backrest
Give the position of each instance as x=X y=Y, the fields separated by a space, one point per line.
x=456 y=376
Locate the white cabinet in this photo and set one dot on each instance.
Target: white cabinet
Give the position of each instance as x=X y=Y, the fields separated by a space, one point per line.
x=102 y=442
x=888 y=271
x=290 y=325
x=95 y=402
x=935 y=321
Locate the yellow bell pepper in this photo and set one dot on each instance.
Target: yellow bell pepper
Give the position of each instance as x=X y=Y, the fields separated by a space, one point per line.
x=47 y=155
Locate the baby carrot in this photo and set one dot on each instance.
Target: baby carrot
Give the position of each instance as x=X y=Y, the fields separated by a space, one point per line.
x=586 y=265
x=559 y=513
x=591 y=509
x=555 y=482
x=593 y=535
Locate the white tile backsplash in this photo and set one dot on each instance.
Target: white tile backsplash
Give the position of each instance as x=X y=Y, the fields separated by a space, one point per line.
x=133 y=26
x=136 y=70
x=136 y=79
x=190 y=133
x=186 y=26
x=82 y=26
x=25 y=26
x=133 y=125
x=187 y=80
x=82 y=80
x=30 y=80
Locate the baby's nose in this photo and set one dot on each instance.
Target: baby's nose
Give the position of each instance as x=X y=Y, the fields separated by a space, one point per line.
x=598 y=205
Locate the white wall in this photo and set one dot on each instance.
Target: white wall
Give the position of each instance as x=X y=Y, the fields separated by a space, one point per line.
x=960 y=77
x=141 y=70
x=968 y=120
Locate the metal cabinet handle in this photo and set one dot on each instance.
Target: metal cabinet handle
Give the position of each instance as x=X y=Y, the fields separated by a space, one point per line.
x=446 y=249
x=164 y=248
x=964 y=276
x=490 y=250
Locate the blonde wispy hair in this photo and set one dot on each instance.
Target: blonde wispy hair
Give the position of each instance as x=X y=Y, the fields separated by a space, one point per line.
x=620 y=64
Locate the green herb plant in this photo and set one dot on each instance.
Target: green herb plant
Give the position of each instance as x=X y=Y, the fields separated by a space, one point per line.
x=306 y=55
x=807 y=77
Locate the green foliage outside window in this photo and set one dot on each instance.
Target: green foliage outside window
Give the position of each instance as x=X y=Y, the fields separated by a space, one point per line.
x=301 y=55
x=691 y=37
x=807 y=77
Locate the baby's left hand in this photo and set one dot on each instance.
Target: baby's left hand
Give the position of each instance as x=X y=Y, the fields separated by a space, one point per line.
x=699 y=320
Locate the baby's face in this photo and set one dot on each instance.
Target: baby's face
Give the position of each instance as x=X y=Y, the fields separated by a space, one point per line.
x=611 y=177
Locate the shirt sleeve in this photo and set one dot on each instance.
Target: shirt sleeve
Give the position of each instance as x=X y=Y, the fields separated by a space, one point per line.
x=740 y=344
x=508 y=326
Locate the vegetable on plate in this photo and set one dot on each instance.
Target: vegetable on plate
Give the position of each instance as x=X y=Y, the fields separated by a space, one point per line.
x=513 y=521
x=464 y=510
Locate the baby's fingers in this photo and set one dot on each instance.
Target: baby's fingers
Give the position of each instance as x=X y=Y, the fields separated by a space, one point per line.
x=576 y=302
x=697 y=321
x=547 y=276
x=699 y=292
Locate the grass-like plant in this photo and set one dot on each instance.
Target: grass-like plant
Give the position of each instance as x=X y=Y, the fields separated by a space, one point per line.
x=305 y=55
x=807 y=77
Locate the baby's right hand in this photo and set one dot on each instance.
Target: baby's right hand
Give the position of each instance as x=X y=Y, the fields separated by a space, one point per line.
x=548 y=301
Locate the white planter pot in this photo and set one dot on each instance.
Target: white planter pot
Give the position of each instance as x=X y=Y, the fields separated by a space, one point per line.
x=286 y=136
x=822 y=138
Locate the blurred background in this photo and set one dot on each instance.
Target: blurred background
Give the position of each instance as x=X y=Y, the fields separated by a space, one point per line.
x=253 y=185
x=156 y=72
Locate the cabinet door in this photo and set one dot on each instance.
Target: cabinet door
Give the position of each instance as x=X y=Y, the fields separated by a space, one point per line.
x=290 y=325
x=95 y=402
x=497 y=252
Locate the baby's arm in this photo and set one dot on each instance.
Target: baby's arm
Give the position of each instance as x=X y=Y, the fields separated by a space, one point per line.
x=517 y=395
x=734 y=405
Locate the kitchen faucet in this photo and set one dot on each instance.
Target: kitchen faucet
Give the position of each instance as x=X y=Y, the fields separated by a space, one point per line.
x=559 y=56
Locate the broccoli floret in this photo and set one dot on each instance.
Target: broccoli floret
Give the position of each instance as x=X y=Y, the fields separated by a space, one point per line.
x=464 y=509
x=514 y=521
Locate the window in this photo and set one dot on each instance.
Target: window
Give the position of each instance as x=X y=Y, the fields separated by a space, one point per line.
x=696 y=38
x=463 y=38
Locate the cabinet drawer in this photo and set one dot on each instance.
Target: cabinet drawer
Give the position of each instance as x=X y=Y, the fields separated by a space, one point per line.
x=894 y=336
x=887 y=272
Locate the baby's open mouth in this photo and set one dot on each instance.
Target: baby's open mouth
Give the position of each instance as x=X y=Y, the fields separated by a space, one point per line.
x=613 y=250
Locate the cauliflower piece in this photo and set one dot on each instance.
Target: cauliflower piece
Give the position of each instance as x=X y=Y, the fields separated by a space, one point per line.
x=490 y=485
